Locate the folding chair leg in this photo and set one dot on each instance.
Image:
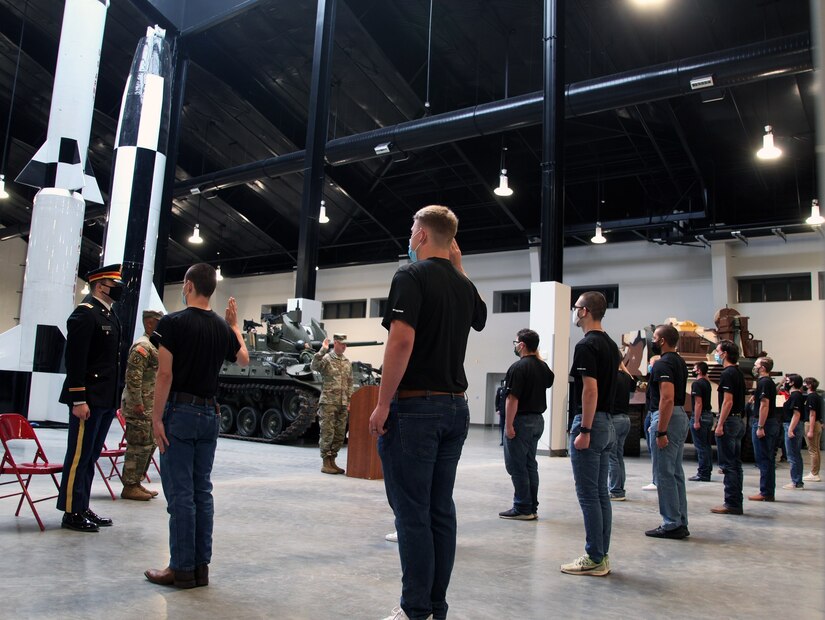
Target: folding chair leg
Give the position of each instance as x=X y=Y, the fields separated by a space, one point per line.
x=29 y=499
x=105 y=481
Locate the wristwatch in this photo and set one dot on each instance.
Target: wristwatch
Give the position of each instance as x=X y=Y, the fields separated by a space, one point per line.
x=661 y=434
x=584 y=429
x=760 y=428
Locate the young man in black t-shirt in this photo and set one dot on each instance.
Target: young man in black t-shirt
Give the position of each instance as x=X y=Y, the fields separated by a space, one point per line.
x=812 y=417
x=794 y=431
x=526 y=386
x=595 y=360
x=625 y=386
x=422 y=415
x=765 y=430
x=702 y=422
x=192 y=345
x=730 y=428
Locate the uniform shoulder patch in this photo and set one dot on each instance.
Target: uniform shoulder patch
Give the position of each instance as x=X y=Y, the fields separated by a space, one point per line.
x=142 y=351
x=87 y=305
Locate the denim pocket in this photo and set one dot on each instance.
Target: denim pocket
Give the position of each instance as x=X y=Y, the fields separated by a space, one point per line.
x=419 y=434
x=179 y=424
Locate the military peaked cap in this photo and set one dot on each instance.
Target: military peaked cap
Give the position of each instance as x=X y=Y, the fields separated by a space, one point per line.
x=111 y=272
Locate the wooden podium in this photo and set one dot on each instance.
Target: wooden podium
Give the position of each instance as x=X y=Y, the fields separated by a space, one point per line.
x=362 y=447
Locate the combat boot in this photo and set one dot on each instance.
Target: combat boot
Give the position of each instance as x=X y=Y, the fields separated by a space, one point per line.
x=149 y=491
x=133 y=491
x=335 y=465
x=329 y=466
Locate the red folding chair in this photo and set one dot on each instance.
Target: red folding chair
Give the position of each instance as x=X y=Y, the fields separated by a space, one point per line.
x=14 y=427
x=114 y=456
x=122 y=421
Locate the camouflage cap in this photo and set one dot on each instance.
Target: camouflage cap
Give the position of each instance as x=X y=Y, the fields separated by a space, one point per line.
x=340 y=338
x=152 y=314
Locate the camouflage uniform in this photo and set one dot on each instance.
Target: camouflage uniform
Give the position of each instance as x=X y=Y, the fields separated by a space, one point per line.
x=336 y=371
x=141 y=372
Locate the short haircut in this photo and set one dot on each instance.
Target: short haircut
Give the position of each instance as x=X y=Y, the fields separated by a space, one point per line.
x=440 y=222
x=767 y=362
x=814 y=383
x=203 y=278
x=669 y=333
x=702 y=366
x=595 y=303
x=529 y=338
x=731 y=349
x=796 y=380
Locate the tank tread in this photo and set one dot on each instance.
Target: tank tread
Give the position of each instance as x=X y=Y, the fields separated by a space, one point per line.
x=299 y=426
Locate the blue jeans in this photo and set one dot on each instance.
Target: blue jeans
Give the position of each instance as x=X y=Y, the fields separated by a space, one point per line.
x=729 y=446
x=650 y=440
x=764 y=453
x=793 y=445
x=701 y=441
x=185 y=468
x=615 y=474
x=590 y=469
x=667 y=463
x=520 y=460
x=419 y=454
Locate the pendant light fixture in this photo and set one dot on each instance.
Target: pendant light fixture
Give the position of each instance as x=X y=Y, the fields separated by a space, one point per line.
x=768 y=150
x=598 y=238
x=3 y=193
x=504 y=188
x=218 y=274
x=816 y=218
x=196 y=235
x=322 y=217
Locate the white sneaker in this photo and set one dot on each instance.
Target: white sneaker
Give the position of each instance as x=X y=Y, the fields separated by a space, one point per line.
x=398 y=614
x=392 y=537
x=649 y=487
x=812 y=478
x=792 y=487
x=585 y=566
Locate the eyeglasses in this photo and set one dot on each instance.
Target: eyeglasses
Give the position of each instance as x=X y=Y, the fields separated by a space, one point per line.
x=579 y=308
x=516 y=343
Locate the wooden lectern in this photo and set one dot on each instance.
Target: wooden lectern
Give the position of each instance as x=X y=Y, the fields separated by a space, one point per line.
x=362 y=447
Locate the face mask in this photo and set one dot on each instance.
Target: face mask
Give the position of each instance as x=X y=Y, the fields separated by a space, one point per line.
x=183 y=297
x=656 y=348
x=755 y=371
x=575 y=317
x=115 y=292
x=412 y=252
x=718 y=358
x=649 y=368
x=515 y=350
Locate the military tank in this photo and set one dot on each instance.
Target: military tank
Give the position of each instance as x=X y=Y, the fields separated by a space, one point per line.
x=275 y=398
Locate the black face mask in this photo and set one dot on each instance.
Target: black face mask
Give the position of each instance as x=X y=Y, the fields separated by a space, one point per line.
x=655 y=348
x=115 y=292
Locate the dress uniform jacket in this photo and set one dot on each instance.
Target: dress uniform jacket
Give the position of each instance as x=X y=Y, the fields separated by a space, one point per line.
x=92 y=356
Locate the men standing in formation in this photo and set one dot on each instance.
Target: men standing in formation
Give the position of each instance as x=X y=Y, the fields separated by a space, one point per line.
x=422 y=415
x=336 y=371
x=136 y=407
x=526 y=386
x=91 y=392
x=765 y=430
x=625 y=386
x=595 y=360
x=730 y=427
x=794 y=430
x=192 y=345
x=669 y=425
x=702 y=422
x=813 y=426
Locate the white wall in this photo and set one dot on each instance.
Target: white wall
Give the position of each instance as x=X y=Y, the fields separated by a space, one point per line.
x=12 y=268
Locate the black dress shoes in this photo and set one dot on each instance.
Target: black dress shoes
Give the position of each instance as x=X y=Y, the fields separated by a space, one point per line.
x=677 y=533
x=97 y=520
x=78 y=522
x=698 y=479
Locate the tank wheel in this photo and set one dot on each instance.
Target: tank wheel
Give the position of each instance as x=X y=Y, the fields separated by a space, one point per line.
x=248 y=421
x=227 y=422
x=272 y=423
x=292 y=406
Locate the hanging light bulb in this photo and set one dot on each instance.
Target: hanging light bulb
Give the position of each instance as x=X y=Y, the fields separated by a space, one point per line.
x=598 y=238
x=503 y=188
x=768 y=150
x=196 y=235
x=3 y=193
x=218 y=274
x=816 y=218
x=322 y=218
x=85 y=290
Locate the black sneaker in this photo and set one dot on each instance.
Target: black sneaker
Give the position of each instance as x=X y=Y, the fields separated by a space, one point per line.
x=77 y=522
x=96 y=519
x=698 y=479
x=519 y=516
x=677 y=533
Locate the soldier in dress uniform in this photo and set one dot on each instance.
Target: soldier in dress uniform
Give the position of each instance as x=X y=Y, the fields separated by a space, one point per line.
x=91 y=392
x=336 y=371
x=136 y=406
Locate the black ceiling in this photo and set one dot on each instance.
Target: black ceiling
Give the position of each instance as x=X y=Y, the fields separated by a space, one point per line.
x=247 y=99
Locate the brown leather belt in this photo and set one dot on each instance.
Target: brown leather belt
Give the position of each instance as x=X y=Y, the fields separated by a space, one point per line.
x=183 y=398
x=425 y=393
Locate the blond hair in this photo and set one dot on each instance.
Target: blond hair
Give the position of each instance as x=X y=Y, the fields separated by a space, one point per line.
x=440 y=222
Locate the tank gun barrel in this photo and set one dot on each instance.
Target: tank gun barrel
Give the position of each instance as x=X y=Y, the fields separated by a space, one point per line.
x=363 y=343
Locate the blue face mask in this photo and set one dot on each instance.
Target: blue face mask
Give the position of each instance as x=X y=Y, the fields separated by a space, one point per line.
x=183 y=298
x=718 y=358
x=412 y=252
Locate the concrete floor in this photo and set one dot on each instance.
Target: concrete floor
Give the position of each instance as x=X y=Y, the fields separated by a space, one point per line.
x=293 y=543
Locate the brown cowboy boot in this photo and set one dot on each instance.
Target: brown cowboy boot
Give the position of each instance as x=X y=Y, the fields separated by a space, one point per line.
x=133 y=491
x=329 y=466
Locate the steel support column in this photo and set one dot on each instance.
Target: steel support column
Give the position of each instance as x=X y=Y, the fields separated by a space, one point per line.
x=552 y=165
x=316 y=144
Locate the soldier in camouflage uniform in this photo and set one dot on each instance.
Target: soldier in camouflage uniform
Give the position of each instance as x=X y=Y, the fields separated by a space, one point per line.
x=336 y=371
x=138 y=396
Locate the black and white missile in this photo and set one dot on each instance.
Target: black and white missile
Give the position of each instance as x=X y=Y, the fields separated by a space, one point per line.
x=62 y=162
x=31 y=354
x=138 y=169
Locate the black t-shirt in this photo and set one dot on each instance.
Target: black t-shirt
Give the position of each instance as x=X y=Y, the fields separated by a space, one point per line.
x=765 y=388
x=199 y=341
x=813 y=402
x=795 y=402
x=701 y=388
x=440 y=304
x=731 y=381
x=625 y=386
x=670 y=368
x=596 y=356
x=528 y=380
